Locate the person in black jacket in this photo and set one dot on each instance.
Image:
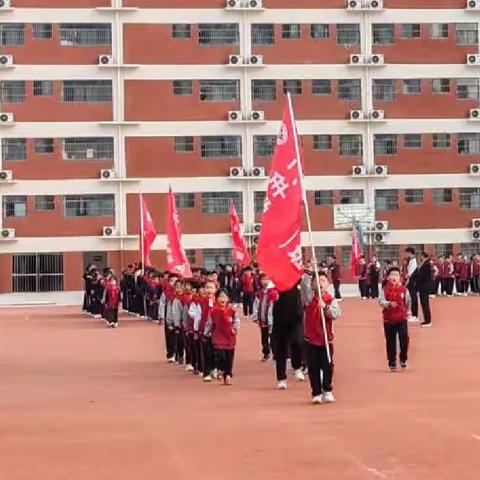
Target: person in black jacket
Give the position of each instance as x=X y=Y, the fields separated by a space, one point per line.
x=423 y=283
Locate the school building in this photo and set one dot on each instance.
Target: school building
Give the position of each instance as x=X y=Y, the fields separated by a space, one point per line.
x=103 y=99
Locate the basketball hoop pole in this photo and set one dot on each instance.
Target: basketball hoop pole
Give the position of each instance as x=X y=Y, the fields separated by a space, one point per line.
x=309 y=224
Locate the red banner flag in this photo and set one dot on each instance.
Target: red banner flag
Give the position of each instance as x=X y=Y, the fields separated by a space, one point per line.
x=176 y=259
x=279 y=251
x=239 y=249
x=147 y=233
x=355 y=254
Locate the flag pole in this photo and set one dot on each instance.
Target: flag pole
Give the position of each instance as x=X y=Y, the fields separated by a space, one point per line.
x=142 y=249
x=309 y=223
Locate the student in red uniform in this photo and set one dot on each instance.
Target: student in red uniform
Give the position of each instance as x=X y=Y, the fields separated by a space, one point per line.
x=336 y=275
x=457 y=265
x=373 y=274
x=222 y=328
x=248 y=291
x=362 y=277
x=464 y=276
x=187 y=326
x=396 y=303
x=165 y=315
x=475 y=282
x=113 y=298
x=448 y=276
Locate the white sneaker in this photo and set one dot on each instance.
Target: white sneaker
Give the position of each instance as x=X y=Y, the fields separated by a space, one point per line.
x=208 y=378
x=299 y=376
x=115 y=325
x=413 y=320
x=328 y=397
x=97 y=316
x=171 y=360
x=189 y=368
x=214 y=374
x=317 y=400
x=282 y=385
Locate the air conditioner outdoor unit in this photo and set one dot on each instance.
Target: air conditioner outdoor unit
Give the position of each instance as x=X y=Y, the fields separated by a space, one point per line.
x=377 y=115
x=258 y=172
x=379 y=237
x=254 y=4
x=357 y=59
x=6 y=118
x=8 y=233
x=355 y=5
x=110 y=231
x=257 y=116
x=359 y=170
x=107 y=174
x=237 y=172
x=473 y=5
x=5 y=4
x=375 y=5
x=476 y=223
x=475 y=169
x=6 y=60
x=473 y=59
x=476 y=235
x=235 y=116
x=235 y=60
x=6 y=175
x=381 y=226
x=255 y=60
x=381 y=170
x=256 y=228
x=105 y=60
x=377 y=59
x=233 y=4
x=475 y=113
x=357 y=115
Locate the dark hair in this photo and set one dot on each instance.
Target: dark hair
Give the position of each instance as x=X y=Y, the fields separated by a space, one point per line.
x=424 y=254
x=323 y=274
x=172 y=275
x=393 y=269
x=410 y=250
x=220 y=292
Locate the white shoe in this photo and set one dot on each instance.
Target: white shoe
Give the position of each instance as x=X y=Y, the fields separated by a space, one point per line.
x=97 y=316
x=282 y=385
x=214 y=374
x=413 y=320
x=189 y=368
x=171 y=360
x=299 y=376
x=328 y=397
x=115 y=325
x=317 y=400
x=208 y=378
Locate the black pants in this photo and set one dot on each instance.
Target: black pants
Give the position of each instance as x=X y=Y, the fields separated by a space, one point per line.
x=190 y=350
x=85 y=302
x=362 y=286
x=412 y=290
x=373 y=290
x=179 y=345
x=475 y=285
x=457 y=285
x=285 y=337
x=448 y=285
x=265 y=338
x=197 y=345
x=170 y=341
x=463 y=284
x=425 y=302
x=391 y=333
x=208 y=358
x=225 y=361
x=318 y=367
x=434 y=286
x=336 y=288
x=247 y=304
x=111 y=315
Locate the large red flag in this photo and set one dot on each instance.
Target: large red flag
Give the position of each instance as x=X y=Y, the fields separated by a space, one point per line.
x=355 y=254
x=239 y=249
x=177 y=261
x=279 y=251
x=147 y=234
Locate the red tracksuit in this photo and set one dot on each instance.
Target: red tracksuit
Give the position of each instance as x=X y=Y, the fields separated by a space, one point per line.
x=112 y=301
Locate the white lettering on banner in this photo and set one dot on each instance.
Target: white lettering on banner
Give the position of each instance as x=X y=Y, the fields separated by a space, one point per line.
x=266 y=205
x=282 y=135
x=292 y=164
x=296 y=257
x=279 y=185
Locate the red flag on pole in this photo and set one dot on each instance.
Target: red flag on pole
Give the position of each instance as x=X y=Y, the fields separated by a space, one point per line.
x=176 y=259
x=147 y=233
x=355 y=254
x=239 y=249
x=279 y=250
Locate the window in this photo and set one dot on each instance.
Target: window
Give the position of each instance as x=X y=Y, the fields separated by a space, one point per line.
x=191 y=256
x=14 y=206
x=292 y=86
x=323 y=197
x=185 y=200
x=469 y=143
x=385 y=144
x=442 y=195
x=383 y=33
x=12 y=91
x=322 y=253
x=439 y=30
x=183 y=144
x=410 y=30
x=44 y=146
x=414 y=195
x=264 y=90
x=42 y=31
x=349 y=90
x=387 y=253
x=441 y=140
x=346 y=255
x=263 y=34
x=212 y=257
x=181 y=30
x=259 y=201
x=37 y=272
x=351 y=145
x=348 y=34
x=384 y=90
x=88 y=148
x=14 y=149
x=42 y=88
x=319 y=31
x=218 y=34
x=348 y=197
x=219 y=90
x=221 y=147
x=12 y=34
x=386 y=200
x=322 y=142
x=264 y=145
x=87 y=91
x=219 y=202
x=321 y=87
x=440 y=85
x=182 y=87
x=291 y=30
x=89 y=205
x=443 y=249
x=44 y=202
x=84 y=34
x=412 y=140
x=470 y=249
x=470 y=198
x=467 y=88
x=467 y=33
x=412 y=86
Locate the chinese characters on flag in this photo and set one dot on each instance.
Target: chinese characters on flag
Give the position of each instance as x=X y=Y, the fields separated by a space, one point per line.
x=355 y=254
x=147 y=234
x=239 y=250
x=279 y=250
x=176 y=259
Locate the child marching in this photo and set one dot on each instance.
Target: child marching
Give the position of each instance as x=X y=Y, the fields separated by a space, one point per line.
x=113 y=298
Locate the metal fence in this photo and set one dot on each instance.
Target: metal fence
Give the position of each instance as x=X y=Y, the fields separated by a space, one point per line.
x=87 y=91
x=95 y=148
x=85 y=34
x=34 y=272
